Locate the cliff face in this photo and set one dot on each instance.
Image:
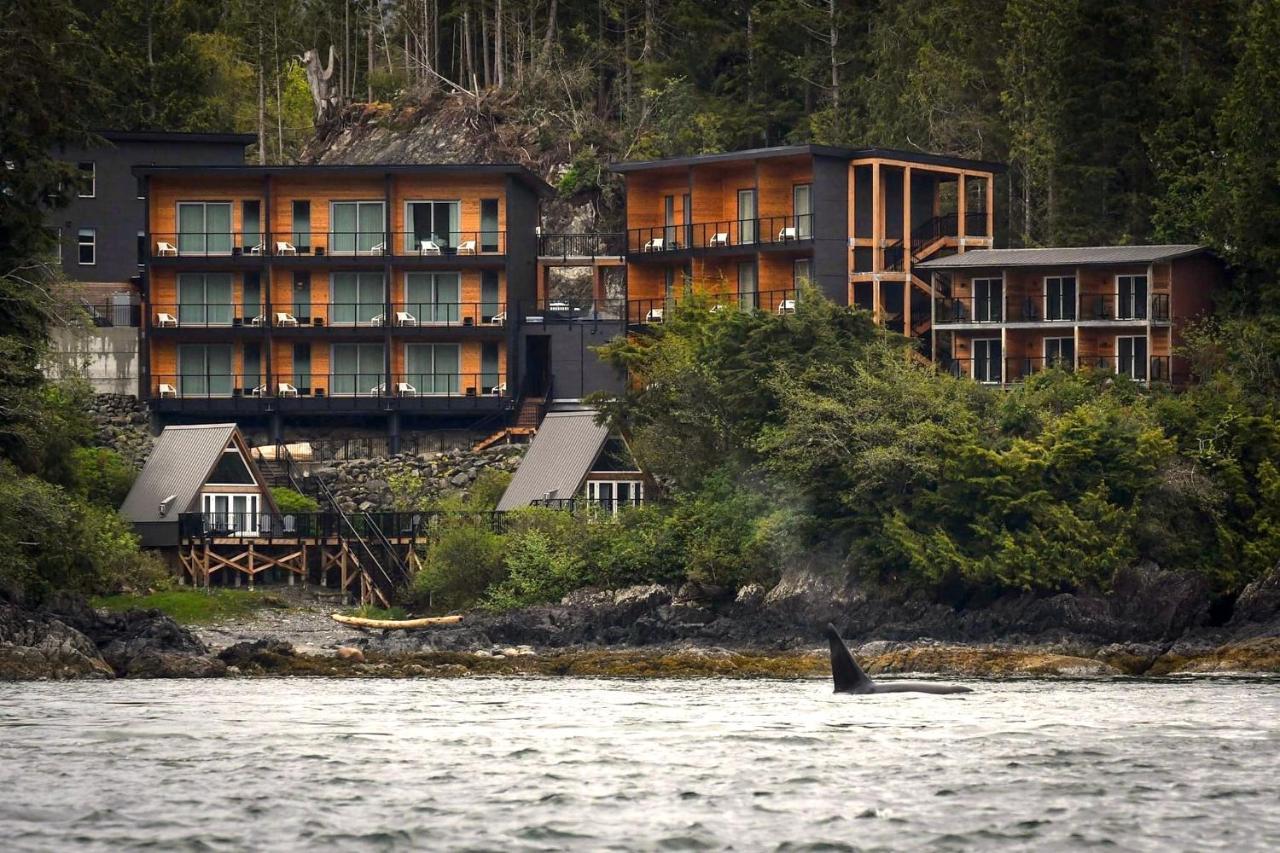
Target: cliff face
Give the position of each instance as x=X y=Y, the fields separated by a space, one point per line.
x=459 y=128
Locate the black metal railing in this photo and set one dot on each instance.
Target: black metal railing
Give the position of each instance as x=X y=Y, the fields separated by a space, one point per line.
x=655 y=310
x=1015 y=369
x=610 y=506
x=288 y=244
x=332 y=386
x=451 y=243
x=298 y=315
x=566 y=246
x=722 y=234
x=113 y=312
x=1093 y=307
x=568 y=310
x=207 y=244
x=328 y=524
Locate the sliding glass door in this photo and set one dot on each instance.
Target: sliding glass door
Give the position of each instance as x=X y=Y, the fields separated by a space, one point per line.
x=204 y=228
x=358 y=369
x=433 y=368
x=204 y=370
x=435 y=223
x=358 y=299
x=433 y=297
x=357 y=227
x=204 y=299
x=802 y=205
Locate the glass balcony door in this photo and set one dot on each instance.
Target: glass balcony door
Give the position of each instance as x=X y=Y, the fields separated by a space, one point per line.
x=747 y=216
x=358 y=369
x=1131 y=357
x=356 y=227
x=204 y=228
x=1131 y=301
x=802 y=206
x=1060 y=352
x=358 y=299
x=988 y=300
x=433 y=368
x=987 y=366
x=433 y=222
x=204 y=370
x=204 y=299
x=1060 y=298
x=433 y=297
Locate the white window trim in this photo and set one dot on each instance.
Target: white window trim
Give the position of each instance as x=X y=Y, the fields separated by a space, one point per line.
x=93 y=179
x=973 y=286
x=253 y=514
x=973 y=361
x=593 y=492
x=1146 y=345
x=1044 y=349
x=92 y=244
x=1131 y=276
x=231 y=233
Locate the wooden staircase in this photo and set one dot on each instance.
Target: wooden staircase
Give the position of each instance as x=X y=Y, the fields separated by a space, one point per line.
x=528 y=416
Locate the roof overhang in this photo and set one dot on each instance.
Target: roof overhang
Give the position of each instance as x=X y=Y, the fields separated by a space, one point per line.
x=515 y=170
x=915 y=157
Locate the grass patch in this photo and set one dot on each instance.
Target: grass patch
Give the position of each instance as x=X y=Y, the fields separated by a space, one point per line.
x=368 y=611
x=190 y=606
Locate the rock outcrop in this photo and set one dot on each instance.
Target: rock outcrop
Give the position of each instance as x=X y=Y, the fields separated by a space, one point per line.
x=40 y=646
x=365 y=483
x=1257 y=610
x=122 y=424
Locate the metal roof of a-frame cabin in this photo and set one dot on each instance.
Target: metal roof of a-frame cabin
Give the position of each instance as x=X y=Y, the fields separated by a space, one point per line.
x=558 y=460
x=181 y=460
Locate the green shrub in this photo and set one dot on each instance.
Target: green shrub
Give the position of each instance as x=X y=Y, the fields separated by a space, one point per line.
x=463 y=562
x=102 y=476
x=540 y=567
x=291 y=501
x=487 y=489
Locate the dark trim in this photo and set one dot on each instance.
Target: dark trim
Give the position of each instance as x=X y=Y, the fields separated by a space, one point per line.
x=920 y=157
x=964 y=261
x=523 y=174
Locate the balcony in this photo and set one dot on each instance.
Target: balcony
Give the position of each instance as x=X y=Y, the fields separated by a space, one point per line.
x=725 y=236
x=1013 y=371
x=581 y=246
x=333 y=393
x=647 y=312
x=325 y=317
x=453 y=246
x=976 y=311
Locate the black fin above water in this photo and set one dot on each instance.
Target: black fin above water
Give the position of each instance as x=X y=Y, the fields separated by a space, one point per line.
x=845 y=672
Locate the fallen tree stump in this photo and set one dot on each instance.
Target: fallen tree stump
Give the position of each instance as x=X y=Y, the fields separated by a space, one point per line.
x=395 y=624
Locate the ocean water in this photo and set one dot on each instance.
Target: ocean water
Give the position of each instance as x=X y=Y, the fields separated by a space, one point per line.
x=553 y=764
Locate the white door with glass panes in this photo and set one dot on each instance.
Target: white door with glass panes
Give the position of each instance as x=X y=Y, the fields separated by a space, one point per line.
x=204 y=228
x=615 y=494
x=1131 y=356
x=357 y=299
x=1131 y=297
x=434 y=223
x=987 y=360
x=433 y=368
x=232 y=514
x=357 y=370
x=748 y=289
x=356 y=227
x=434 y=297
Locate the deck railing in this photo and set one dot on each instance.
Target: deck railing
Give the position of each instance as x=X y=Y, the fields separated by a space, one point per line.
x=722 y=234
x=348 y=244
x=1093 y=307
x=565 y=246
x=397 y=527
x=1016 y=369
x=332 y=387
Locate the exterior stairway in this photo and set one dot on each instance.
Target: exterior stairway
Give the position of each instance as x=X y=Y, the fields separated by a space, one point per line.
x=528 y=417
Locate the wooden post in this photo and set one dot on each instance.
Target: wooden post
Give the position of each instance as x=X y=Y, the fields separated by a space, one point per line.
x=962 y=192
x=907 y=283
x=250 y=564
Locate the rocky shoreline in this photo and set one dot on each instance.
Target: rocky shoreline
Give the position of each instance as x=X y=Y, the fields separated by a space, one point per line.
x=1150 y=625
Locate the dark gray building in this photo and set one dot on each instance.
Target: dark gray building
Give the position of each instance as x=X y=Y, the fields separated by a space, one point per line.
x=102 y=230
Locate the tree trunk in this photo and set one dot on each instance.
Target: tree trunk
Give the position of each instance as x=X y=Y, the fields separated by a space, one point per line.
x=834 y=40
x=551 y=32
x=650 y=23
x=275 y=37
x=499 y=48
x=262 y=105
x=468 y=61
x=368 y=71
x=486 y=56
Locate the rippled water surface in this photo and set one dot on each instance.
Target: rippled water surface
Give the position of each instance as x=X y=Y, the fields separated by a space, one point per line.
x=540 y=764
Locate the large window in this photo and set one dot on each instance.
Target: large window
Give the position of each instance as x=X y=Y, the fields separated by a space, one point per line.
x=205 y=371
x=231 y=470
x=1060 y=352
x=251 y=226
x=358 y=369
x=433 y=297
x=987 y=364
x=88 y=179
x=613 y=495
x=434 y=222
x=1131 y=357
x=747 y=216
x=1131 y=297
x=231 y=514
x=87 y=242
x=204 y=228
x=490 y=236
x=358 y=299
x=433 y=368
x=204 y=299
x=802 y=206
x=357 y=227
x=301 y=235
x=988 y=300
x=1060 y=298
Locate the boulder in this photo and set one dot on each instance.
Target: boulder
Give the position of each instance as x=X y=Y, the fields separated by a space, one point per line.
x=806 y=597
x=158 y=664
x=350 y=653
x=1259 y=603
x=1156 y=603
x=39 y=646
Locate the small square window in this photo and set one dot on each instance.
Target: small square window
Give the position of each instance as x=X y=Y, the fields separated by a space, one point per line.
x=88 y=243
x=88 y=179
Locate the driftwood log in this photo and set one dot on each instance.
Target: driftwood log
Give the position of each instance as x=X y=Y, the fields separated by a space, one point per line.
x=395 y=624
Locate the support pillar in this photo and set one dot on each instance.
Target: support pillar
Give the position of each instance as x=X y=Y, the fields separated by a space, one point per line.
x=277 y=428
x=393 y=433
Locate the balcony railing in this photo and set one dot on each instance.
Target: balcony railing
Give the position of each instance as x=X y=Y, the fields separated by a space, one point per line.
x=722 y=234
x=571 y=311
x=372 y=384
x=113 y=313
x=581 y=245
x=321 y=525
x=1093 y=307
x=290 y=244
x=649 y=311
x=1017 y=369
x=607 y=506
x=328 y=314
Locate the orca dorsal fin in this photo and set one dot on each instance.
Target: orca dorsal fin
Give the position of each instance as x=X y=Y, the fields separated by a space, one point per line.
x=845 y=672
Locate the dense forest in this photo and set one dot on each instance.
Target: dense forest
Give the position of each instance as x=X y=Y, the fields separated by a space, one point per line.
x=1121 y=120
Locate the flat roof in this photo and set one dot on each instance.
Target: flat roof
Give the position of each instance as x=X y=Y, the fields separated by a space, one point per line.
x=523 y=173
x=174 y=136
x=1072 y=256
x=921 y=157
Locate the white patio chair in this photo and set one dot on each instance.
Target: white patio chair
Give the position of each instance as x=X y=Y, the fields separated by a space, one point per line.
x=167 y=390
x=787 y=306
x=498 y=390
x=164 y=249
x=255 y=250
x=719 y=239
x=467 y=247
x=656 y=244
x=378 y=249
x=404 y=389
x=286 y=390
x=378 y=390
x=378 y=320
x=653 y=316
x=404 y=318
x=283 y=248
x=163 y=319
x=285 y=319
x=428 y=247
x=258 y=391
x=788 y=233
x=499 y=319
x=260 y=320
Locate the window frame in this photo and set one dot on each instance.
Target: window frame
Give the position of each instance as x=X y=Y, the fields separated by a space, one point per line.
x=93 y=178
x=355 y=250
x=1140 y=312
x=973 y=362
x=1145 y=362
x=1074 y=308
x=409 y=231
x=92 y=246
x=999 y=301
x=1044 y=351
